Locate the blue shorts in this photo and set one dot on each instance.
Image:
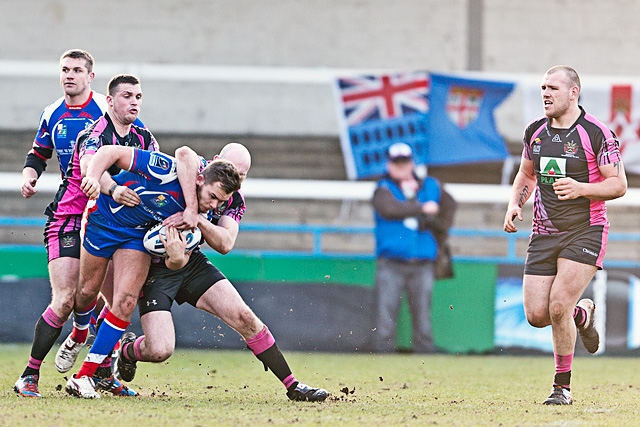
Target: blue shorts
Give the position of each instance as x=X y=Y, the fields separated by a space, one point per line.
x=102 y=238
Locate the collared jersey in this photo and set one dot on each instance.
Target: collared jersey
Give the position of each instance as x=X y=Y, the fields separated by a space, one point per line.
x=60 y=125
x=576 y=152
x=234 y=208
x=153 y=176
x=70 y=200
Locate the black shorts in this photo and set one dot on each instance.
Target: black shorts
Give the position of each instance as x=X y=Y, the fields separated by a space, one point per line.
x=585 y=245
x=188 y=284
x=62 y=237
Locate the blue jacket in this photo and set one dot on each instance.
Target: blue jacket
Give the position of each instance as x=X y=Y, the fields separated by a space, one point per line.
x=402 y=238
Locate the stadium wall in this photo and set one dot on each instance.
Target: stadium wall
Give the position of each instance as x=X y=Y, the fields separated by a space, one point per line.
x=265 y=68
x=309 y=304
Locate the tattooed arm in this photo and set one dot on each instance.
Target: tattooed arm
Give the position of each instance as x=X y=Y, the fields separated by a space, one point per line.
x=613 y=185
x=523 y=186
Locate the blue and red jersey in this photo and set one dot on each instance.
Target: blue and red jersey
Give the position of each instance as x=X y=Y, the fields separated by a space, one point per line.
x=59 y=127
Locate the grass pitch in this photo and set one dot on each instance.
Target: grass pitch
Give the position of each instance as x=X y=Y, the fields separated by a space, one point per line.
x=230 y=388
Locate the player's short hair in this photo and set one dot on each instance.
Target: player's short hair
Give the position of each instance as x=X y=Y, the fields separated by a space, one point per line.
x=79 y=54
x=119 y=79
x=572 y=75
x=223 y=171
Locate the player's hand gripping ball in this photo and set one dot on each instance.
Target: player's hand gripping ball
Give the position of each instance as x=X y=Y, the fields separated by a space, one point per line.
x=154 y=246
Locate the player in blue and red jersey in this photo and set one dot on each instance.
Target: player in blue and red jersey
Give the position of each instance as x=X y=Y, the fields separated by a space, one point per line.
x=64 y=119
x=571 y=162
x=115 y=231
x=202 y=285
x=62 y=230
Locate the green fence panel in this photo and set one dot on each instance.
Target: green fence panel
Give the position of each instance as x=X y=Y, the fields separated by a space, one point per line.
x=462 y=307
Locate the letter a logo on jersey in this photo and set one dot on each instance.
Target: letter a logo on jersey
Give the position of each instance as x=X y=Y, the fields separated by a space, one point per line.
x=552 y=168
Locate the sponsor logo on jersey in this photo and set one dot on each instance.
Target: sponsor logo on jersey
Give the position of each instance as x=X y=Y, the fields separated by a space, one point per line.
x=556 y=138
x=536 y=146
x=61 y=130
x=160 y=201
x=552 y=168
x=158 y=161
x=570 y=149
x=68 y=242
x=115 y=209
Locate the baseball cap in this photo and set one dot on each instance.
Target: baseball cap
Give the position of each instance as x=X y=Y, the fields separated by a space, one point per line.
x=399 y=151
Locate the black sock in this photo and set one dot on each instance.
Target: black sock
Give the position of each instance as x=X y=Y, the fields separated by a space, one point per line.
x=563 y=379
x=273 y=359
x=44 y=338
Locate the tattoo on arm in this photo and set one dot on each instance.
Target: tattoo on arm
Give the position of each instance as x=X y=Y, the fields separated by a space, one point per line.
x=524 y=195
x=617 y=166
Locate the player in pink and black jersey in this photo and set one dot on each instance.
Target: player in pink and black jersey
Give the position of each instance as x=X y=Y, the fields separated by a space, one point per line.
x=571 y=162
x=62 y=230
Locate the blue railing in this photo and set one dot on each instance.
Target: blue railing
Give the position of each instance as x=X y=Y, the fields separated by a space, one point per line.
x=318 y=233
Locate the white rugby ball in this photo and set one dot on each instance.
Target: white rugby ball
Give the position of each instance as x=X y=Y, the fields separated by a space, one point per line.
x=154 y=246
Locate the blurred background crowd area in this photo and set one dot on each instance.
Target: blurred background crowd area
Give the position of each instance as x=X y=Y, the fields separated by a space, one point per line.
x=262 y=73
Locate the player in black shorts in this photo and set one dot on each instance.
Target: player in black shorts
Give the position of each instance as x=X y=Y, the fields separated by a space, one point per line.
x=571 y=161
x=202 y=285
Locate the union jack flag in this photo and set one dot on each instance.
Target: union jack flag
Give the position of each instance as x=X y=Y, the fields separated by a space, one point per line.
x=376 y=111
x=383 y=97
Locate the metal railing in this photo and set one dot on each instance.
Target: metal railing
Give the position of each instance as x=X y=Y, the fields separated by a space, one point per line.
x=319 y=232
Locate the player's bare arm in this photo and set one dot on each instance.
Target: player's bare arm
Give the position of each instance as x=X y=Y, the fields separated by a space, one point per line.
x=102 y=160
x=221 y=237
x=613 y=186
x=29 y=180
x=523 y=186
x=188 y=165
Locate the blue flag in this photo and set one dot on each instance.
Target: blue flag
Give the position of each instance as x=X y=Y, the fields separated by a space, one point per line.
x=460 y=127
x=445 y=119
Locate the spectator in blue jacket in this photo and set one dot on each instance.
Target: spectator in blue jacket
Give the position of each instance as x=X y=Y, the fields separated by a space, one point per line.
x=406 y=225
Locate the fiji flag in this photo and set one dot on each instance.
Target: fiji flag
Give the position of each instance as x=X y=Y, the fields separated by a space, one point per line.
x=376 y=111
x=460 y=127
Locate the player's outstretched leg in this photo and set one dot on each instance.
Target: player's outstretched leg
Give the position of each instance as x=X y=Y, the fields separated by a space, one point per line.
x=47 y=331
x=264 y=347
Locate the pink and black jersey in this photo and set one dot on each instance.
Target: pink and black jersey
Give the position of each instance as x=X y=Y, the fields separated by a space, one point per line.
x=577 y=153
x=234 y=208
x=70 y=200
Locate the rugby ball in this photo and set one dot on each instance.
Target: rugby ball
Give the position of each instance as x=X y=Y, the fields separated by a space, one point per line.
x=154 y=246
